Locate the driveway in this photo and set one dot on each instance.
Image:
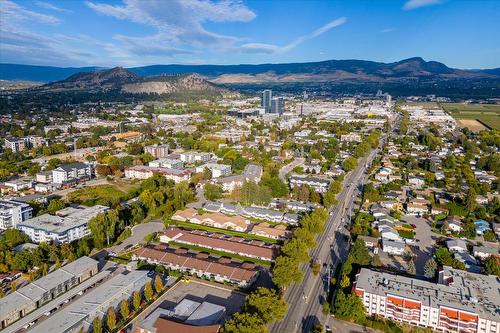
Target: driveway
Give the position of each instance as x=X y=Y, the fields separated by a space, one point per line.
x=289 y=167
x=425 y=244
x=138 y=233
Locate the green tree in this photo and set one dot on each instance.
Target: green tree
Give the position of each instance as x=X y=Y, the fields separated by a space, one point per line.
x=286 y=271
x=244 y=322
x=212 y=192
x=376 y=262
x=111 y=319
x=470 y=200
x=345 y=282
x=55 y=205
x=489 y=236
x=350 y=164
x=124 y=309
x=491 y=266
x=136 y=301
x=266 y=304
x=411 y=267
x=349 y=307
x=148 y=292
x=326 y=307
x=430 y=268
x=297 y=249
x=97 y=325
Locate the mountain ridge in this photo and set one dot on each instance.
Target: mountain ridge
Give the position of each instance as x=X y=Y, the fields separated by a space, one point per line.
x=411 y=68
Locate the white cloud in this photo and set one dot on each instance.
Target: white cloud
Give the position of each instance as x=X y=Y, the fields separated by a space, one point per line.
x=10 y=12
x=414 y=4
x=386 y=30
x=49 y=6
x=180 y=21
x=270 y=48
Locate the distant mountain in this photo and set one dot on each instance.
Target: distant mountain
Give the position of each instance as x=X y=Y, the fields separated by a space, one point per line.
x=121 y=80
x=168 y=84
x=103 y=79
x=330 y=70
x=13 y=72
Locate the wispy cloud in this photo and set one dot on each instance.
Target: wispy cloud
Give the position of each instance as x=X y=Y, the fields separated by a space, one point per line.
x=386 y=30
x=270 y=48
x=414 y=4
x=49 y=6
x=12 y=12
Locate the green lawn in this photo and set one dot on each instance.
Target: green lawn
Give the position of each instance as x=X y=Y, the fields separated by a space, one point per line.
x=406 y=234
x=100 y=194
x=222 y=231
x=487 y=114
x=220 y=253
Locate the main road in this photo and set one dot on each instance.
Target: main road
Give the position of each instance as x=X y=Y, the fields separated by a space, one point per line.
x=305 y=299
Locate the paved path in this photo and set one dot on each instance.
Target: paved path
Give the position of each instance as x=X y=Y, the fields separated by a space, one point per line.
x=289 y=167
x=138 y=233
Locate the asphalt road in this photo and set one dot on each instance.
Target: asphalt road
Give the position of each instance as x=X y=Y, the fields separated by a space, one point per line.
x=138 y=233
x=305 y=299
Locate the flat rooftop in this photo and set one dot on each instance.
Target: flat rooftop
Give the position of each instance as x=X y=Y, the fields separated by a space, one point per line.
x=468 y=291
x=72 y=218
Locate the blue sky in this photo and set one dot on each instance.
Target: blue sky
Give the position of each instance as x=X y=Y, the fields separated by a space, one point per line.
x=462 y=34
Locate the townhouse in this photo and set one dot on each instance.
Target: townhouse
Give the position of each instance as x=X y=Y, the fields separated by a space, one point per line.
x=221 y=242
x=275 y=232
x=252 y=212
x=319 y=184
x=199 y=264
x=216 y=220
x=460 y=301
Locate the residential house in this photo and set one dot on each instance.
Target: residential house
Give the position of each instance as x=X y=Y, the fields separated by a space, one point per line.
x=71 y=172
x=483 y=252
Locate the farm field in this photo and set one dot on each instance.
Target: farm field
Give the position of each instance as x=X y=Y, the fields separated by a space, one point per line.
x=487 y=115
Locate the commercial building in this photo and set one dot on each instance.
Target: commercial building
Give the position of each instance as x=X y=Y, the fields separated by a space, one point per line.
x=187 y=316
x=221 y=242
x=319 y=184
x=26 y=299
x=157 y=151
x=69 y=224
x=459 y=302
x=72 y=172
x=199 y=264
x=12 y=213
x=218 y=170
x=81 y=312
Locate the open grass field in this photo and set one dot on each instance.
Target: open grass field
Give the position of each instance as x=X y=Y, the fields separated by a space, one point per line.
x=98 y=195
x=486 y=114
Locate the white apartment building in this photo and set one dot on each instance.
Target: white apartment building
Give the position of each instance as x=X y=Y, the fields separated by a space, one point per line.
x=170 y=163
x=74 y=171
x=12 y=213
x=69 y=224
x=218 y=170
x=461 y=301
x=144 y=172
x=192 y=157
